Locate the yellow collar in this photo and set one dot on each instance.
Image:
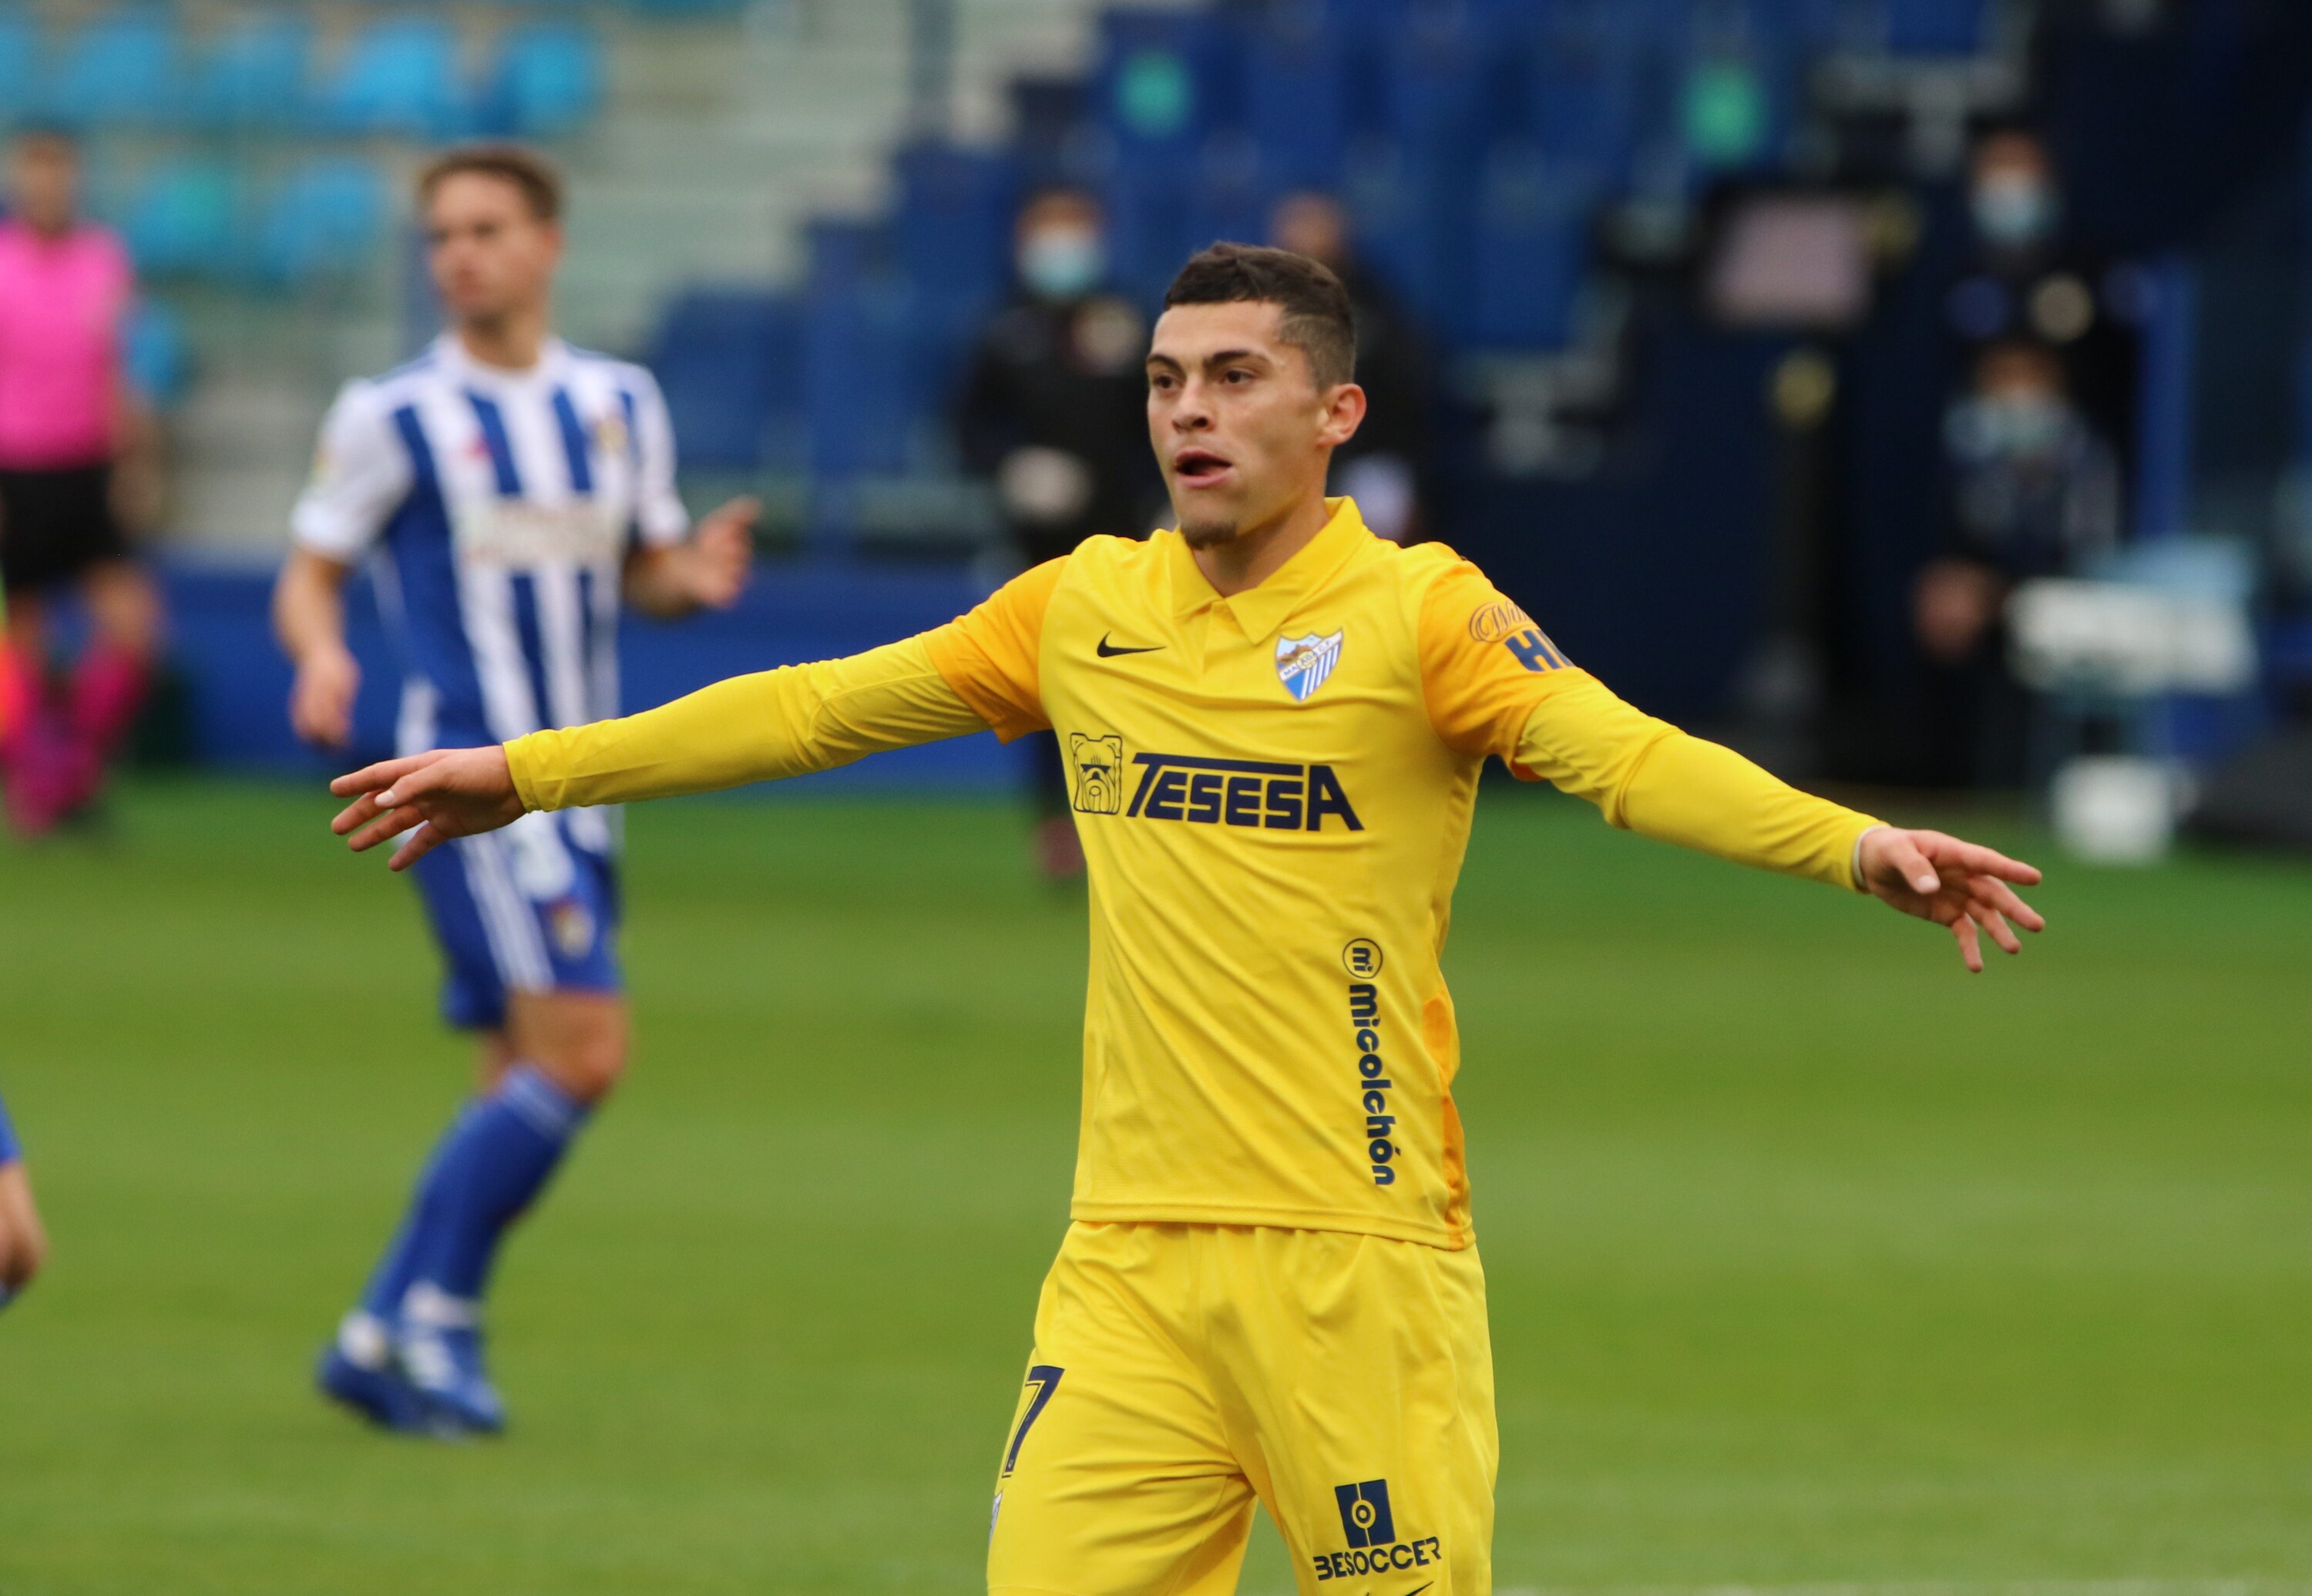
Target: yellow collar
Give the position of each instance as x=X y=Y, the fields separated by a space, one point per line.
x=1261 y=610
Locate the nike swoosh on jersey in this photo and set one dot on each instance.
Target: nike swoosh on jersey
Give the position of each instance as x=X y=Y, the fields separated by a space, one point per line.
x=1109 y=651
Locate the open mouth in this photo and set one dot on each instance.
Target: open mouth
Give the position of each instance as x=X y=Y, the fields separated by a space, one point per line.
x=1199 y=468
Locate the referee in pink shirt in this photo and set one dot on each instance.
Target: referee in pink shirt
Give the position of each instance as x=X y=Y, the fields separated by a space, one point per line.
x=66 y=286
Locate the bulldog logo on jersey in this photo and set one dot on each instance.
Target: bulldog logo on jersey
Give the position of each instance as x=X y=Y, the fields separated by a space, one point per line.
x=1097 y=763
x=1303 y=663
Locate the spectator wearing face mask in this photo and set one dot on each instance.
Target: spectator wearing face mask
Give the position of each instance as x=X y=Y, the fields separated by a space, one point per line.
x=2035 y=493
x=2029 y=282
x=1053 y=413
x=1385 y=466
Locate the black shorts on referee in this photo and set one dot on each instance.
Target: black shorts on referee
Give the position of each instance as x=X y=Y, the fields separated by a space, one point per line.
x=55 y=524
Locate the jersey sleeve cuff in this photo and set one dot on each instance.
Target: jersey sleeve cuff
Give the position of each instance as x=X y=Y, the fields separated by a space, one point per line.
x=522 y=757
x=330 y=536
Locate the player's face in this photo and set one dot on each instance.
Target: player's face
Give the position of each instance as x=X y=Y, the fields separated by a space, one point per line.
x=1240 y=427
x=43 y=183
x=492 y=255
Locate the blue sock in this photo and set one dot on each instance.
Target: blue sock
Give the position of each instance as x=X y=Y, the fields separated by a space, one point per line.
x=381 y=1297
x=488 y=1167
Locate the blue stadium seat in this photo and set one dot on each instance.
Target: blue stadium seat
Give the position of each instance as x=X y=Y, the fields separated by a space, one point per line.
x=952 y=246
x=1233 y=193
x=1367 y=22
x=953 y=230
x=121 y=69
x=181 y=221
x=154 y=356
x=1583 y=97
x=683 y=8
x=866 y=413
x=731 y=363
x=1150 y=221
x=400 y=75
x=1297 y=97
x=1050 y=118
x=327 y=219
x=254 y=73
x=1529 y=248
x=1165 y=78
x=548 y=80
x=1436 y=88
x=1392 y=220
x=1733 y=112
x=20 y=64
x=1936 y=27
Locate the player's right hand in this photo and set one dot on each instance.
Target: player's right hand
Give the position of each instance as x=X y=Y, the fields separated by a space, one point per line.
x=448 y=792
x=322 y=697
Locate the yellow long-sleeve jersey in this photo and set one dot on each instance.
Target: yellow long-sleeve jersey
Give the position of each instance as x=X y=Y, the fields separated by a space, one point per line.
x=1273 y=791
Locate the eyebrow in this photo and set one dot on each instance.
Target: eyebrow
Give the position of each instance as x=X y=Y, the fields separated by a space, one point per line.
x=1220 y=357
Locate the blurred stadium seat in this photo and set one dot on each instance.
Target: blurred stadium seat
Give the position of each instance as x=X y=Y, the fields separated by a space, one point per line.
x=1161 y=78
x=726 y=360
x=1530 y=246
x=547 y=81
x=182 y=220
x=326 y=219
x=122 y=68
x=1233 y=192
x=864 y=413
x=399 y=74
x=1436 y=104
x=1297 y=96
x=1936 y=27
x=20 y=62
x=254 y=73
x=952 y=245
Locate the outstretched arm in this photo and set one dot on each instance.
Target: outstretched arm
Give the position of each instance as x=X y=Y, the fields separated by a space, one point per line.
x=1498 y=684
x=775 y=724
x=971 y=674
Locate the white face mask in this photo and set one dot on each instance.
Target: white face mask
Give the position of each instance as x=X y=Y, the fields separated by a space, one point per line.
x=1062 y=262
x=2013 y=426
x=2014 y=211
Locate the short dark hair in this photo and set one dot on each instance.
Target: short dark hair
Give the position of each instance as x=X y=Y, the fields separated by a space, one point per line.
x=540 y=182
x=1318 y=319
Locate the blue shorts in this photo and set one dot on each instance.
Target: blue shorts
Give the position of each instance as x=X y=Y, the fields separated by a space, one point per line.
x=10 y=1150
x=531 y=909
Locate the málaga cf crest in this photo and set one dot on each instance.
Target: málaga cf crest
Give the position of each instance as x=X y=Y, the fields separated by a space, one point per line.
x=1302 y=663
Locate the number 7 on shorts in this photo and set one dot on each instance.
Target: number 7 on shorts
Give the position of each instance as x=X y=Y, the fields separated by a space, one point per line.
x=1043 y=1379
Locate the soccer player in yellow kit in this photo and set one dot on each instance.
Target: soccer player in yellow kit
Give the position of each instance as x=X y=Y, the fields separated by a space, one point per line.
x=1275 y=723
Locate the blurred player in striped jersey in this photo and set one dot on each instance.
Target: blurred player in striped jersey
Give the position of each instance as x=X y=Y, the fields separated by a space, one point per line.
x=507 y=492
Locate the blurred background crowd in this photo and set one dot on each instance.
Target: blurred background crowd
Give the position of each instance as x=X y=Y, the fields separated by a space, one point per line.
x=1910 y=391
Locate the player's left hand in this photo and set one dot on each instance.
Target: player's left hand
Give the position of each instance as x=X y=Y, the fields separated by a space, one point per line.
x=721 y=551
x=1960 y=885
x=447 y=793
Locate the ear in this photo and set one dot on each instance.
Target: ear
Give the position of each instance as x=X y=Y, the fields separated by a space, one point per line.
x=1345 y=412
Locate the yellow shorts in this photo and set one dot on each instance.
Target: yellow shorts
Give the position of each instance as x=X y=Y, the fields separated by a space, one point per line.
x=1181 y=1370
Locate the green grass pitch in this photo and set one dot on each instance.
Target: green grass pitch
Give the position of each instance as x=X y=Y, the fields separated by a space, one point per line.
x=1813 y=1262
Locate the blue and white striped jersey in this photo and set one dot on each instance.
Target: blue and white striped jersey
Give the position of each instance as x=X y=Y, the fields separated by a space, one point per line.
x=496 y=509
